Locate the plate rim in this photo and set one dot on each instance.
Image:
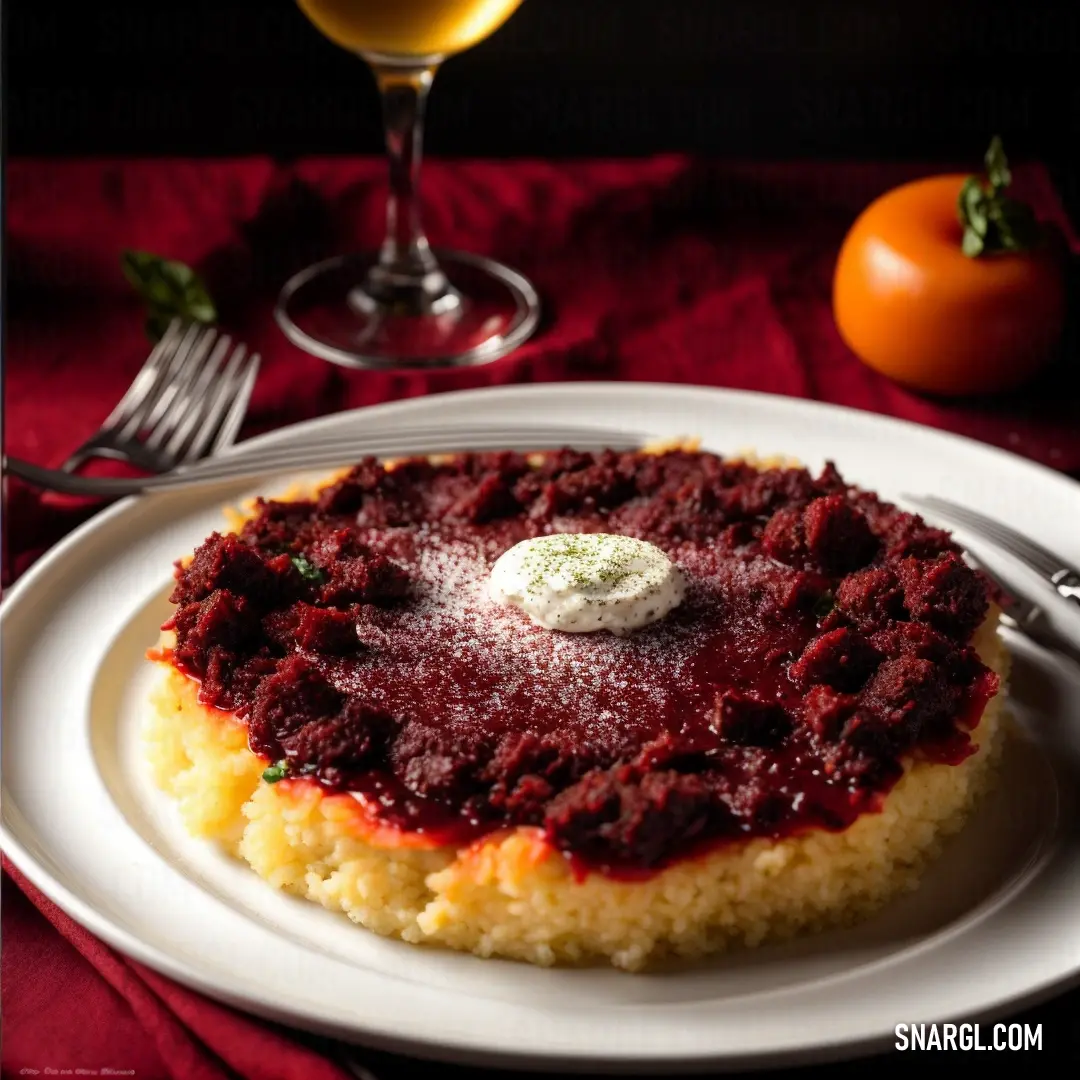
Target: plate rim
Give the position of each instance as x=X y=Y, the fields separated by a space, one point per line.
x=469 y=1049
x=289 y=431
x=267 y=438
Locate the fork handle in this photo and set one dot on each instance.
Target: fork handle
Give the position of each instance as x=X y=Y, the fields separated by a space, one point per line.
x=79 y=458
x=133 y=454
x=1067 y=583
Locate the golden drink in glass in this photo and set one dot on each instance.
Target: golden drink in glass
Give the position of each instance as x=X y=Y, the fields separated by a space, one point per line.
x=408 y=27
x=407 y=306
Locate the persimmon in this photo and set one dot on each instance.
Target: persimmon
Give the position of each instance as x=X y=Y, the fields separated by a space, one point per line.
x=948 y=286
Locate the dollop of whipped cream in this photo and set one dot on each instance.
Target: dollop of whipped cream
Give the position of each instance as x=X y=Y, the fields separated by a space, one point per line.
x=580 y=582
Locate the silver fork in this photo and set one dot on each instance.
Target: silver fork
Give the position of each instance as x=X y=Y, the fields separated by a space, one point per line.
x=1023 y=615
x=186 y=402
x=1064 y=578
x=246 y=461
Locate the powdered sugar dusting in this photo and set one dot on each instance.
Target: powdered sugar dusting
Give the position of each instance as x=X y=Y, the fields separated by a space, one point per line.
x=476 y=664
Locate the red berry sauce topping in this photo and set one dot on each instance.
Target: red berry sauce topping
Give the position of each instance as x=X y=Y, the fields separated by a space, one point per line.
x=824 y=636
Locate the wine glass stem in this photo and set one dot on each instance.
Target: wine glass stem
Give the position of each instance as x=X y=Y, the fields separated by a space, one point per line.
x=407 y=276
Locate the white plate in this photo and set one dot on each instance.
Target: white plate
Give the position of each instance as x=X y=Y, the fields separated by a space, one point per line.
x=996 y=925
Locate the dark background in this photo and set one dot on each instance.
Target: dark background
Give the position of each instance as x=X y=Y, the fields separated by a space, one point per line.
x=921 y=79
x=777 y=78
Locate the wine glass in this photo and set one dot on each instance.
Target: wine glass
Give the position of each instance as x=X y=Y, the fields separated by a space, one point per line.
x=407 y=306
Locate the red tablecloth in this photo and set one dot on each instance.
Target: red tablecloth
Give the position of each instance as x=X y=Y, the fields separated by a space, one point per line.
x=666 y=269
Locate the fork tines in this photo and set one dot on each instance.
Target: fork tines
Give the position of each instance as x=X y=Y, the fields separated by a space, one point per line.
x=197 y=399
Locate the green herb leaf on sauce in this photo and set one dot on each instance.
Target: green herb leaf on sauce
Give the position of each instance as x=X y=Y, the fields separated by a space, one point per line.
x=824 y=605
x=276 y=772
x=305 y=569
x=170 y=289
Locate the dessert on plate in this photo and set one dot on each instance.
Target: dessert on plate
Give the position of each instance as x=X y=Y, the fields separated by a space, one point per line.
x=569 y=707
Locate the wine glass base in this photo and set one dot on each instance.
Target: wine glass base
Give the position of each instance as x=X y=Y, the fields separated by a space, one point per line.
x=327 y=311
